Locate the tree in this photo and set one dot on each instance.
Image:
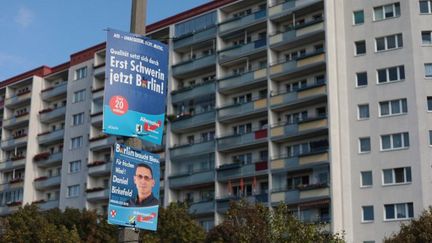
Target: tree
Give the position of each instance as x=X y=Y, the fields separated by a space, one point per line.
x=29 y=225
x=246 y=222
x=174 y=225
x=417 y=230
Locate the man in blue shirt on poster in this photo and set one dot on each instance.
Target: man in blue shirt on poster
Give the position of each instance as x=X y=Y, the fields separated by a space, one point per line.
x=144 y=183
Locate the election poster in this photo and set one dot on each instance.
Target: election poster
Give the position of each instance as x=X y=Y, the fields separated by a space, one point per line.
x=136 y=76
x=134 y=192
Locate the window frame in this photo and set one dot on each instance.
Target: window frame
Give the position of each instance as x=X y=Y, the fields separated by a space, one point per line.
x=429 y=104
x=387 y=70
x=80 y=73
x=428 y=66
x=357 y=79
x=426 y=33
x=81 y=142
x=407 y=173
x=359 y=118
x=80 y=119
x=395 y=211
x=69 y=190
x=383 y=8
x=360 y=145
x=386 y=42
x=362 y=181
x=404 y=144
x=71 y=163
x=363 y=220
x=354 y=17
x=357 y=46
x=77 y=97
x=390 y=107
x=429 y=3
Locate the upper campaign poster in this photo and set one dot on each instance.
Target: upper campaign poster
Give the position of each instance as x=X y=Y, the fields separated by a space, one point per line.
x=135 y=86
x=134 y=192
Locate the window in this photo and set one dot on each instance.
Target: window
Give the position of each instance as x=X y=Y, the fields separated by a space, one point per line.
x=361 y=79
x=294 y=118
x=391 y=74
x=363 y=111
x=73 y=191
x=78 y=96
x=366 y=178
x=395 y=141
x=398 y=211
x=80 y=73
x=76 y=142
x=393 y=107
x=430 y=137
x=293 y=87
x=242 y=129
x=387 y=11
x=397 y=176
x=426 y=37
x=242 y=99
x=74 y=166
x=360 y=47
x=426 y=6
x=364 y=145
x=388 y=42
x=429 y=103
x=78 y=119
x=358 y=17
x=428 y=70
x=243 y=158
x=367 y=214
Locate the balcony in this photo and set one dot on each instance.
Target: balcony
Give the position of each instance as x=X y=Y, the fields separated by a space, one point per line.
x=194 y=149
x=14 y=142
x=99 y=70
x=194 y=38
x=99 y=168
x=98 y=93
x=101 y=142
x=242 y=141
x=49 y=138
x=55 y=92
x=239 y=82
x=194 y=67
x=303 y=97
x=252 y=109
x=51 y=115
x=286 y=6
x=310 y=63
x=187 y=123
x=297 y=196
x=96 y=118
x=97 y=194
x=238 y=51
x=47 y=205
x=302 y=130
x=238 y=23
x=300 y=162
x=200 y=90
x=304 y=34
x=239 y=170
x=17 y=121
x=13 y=163
x=193 y=178
x=223 y=204
x=203 y=207
x=20 y=99
x=46 y=159
x=47 y=183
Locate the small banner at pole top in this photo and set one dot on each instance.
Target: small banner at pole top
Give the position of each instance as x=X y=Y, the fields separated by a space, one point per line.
x=134 y=192
x=136 y=74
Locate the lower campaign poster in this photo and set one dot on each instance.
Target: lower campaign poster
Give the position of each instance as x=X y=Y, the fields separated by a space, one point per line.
x=134 y=194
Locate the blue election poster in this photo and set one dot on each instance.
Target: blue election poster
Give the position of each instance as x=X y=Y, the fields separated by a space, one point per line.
x=134 y=192
x=135 y=86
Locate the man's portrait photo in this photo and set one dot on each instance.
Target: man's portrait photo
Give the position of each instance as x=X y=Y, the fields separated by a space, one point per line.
x=144 y=183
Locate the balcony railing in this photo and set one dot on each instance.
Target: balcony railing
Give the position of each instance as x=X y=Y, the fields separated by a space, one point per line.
x=254 y=108
x=239 y=170
x=223 y=203
x=193 y=178
x=194 y=66
x=193 y=149
x=16 y=121
x=98 y=93
x=238 y=51
x=14 y=142
x=304 y=95
x=54 y=92
x=317 y=157
x=287 y=5
x=251 y=139
x=298 y=33
x=50 y=204
x=46 y=183
x=51 y=137
x=50 y=115
x=306 y=64
x=101 y=194
x=13 y=163
x=238 y=82
x=186 y=123
x=46 y=159
x=204 y=89
x=307 y=192
x=195 y=37
x=203 y=207
x=280 y=132
x=18 y=99
x=99 y=168
x=101 y=142
x=242 y=22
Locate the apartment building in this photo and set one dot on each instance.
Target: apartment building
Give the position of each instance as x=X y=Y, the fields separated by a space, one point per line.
x=322 y=105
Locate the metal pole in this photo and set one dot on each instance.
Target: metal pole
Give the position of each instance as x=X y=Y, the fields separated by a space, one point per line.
x=137 y=25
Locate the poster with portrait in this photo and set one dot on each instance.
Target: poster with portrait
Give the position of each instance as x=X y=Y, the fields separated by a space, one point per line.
x=134 y=192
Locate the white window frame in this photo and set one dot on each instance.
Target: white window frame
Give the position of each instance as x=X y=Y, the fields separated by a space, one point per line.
x=399 y=78
x=357 y=11
x=356 y=53
x=358 y=112
x=362 y=184
x=79 y=96
x=78 y=119
x=79 y=142
x=428 y=66
x=73 y=191
x=360 y=143
x=357 y=80
x=429 y=109
x=406 y=208
x=404 y=144
x=405 y=171
x=383 y=8
x=389 y=103
x=426 y=32
x=363 y=214
x=74 y=166
x=386 y=41
x=429 y=6
x=81 y=73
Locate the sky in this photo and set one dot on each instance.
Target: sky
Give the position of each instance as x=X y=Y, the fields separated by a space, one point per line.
x=45 y=32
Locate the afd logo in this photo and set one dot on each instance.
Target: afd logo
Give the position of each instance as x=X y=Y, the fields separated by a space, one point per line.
x=152 y=127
